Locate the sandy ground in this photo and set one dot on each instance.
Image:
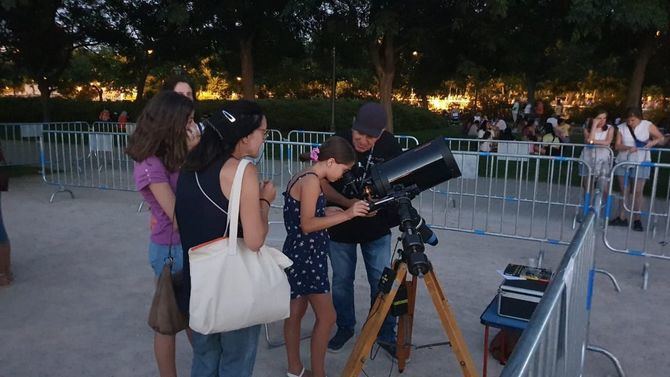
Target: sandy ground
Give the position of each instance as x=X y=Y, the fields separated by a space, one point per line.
x=83 y=288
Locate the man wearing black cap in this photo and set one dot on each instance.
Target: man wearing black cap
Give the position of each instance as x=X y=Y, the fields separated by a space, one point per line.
x=373 y=145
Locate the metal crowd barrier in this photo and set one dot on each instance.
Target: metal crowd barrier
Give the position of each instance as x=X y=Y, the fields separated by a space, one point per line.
x=513 y=195
x=79 y=155
x=318 y=137
x=556 y=339
x=653 y=210
x=310 y=137
x=20 y=143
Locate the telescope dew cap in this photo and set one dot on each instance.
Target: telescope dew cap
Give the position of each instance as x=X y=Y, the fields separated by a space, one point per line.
x=371 y=119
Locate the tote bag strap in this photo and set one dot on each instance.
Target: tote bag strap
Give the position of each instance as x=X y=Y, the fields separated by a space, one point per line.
x=234 y=206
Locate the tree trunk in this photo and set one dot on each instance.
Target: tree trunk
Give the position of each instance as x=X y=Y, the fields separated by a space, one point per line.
x=247 y=64
x=45 y=95
x=530 y=86
x=641 y=60
x=141 y=83
x=424 y=101
x=383 y=58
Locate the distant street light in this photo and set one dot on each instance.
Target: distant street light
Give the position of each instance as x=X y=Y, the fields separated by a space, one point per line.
x=415 y=53
x=150 y=51
x=238 y=78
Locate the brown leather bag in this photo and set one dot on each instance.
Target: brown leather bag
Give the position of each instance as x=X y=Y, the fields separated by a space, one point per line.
x=164 y=315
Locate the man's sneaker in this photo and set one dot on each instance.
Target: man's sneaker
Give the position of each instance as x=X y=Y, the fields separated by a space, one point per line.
x=617 y=221
x=637 y=226
x=390 y=348
x=341 y=337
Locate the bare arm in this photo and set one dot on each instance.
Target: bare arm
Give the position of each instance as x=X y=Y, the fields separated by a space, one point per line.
x=619 y=145
x=309 y=193
x=608 y=139
x=656 y=136
x=335 y=197
x=165 y=197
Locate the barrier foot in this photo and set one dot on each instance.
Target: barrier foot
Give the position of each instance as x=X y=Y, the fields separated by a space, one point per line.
x=611 y=277
x=60 y=189
x=610 y=356
x=645 y=276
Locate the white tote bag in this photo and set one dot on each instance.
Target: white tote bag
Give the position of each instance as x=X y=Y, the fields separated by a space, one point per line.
x=233 y=287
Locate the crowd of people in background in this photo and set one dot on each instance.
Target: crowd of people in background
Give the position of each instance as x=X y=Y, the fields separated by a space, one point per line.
x=629 y=136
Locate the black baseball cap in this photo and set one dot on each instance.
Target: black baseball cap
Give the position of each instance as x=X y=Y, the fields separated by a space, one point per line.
x=371 y=119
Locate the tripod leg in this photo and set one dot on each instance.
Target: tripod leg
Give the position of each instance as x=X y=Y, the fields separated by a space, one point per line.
x=449 y=323
x=405 y=325
x=369 y=332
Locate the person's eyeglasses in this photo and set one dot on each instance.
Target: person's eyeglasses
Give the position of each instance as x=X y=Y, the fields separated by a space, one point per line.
x=265 y=132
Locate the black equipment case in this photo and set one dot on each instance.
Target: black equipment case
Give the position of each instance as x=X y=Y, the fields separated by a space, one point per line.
x=518 y=298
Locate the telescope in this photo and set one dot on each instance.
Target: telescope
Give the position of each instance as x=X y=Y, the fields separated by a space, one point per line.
x=394 y=183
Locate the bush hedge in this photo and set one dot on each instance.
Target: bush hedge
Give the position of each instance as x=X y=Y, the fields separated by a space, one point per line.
x=283 y=114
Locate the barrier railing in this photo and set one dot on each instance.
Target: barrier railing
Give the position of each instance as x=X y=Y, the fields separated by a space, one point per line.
x=556 y=339
x=75 y=156
x=557 y=336
x=318 y=137
x=652 y=208
x=530 y=197
x=310 y=137
x=20 y=143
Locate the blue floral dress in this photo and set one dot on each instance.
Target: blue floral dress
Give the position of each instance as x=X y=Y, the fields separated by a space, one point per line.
x=308 y=251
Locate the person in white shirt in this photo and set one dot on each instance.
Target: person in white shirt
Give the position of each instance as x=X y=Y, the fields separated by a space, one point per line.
x=634 y=138
x=598 y=135
x=527 y=110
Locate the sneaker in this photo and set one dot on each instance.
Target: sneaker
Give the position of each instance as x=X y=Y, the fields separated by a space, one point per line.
x=618 y=222
x=390 y=349
x=637 y=226
x=340 y=338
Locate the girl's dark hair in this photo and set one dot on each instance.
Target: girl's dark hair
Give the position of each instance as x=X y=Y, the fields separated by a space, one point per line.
x=338 y=148
x=161 y=130
x=172 y=81
x=598 y=112
x=633 y=111
x=222 y=131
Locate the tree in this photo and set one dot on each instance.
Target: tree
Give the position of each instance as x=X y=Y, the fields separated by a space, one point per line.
x=150 y=34
x=40 y=37
x=642 y=28
x=242 y=28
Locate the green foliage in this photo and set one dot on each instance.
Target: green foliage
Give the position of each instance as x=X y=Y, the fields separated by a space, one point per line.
x=284 y=115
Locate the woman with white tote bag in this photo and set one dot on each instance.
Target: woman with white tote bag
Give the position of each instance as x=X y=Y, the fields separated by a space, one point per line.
x=228 y=137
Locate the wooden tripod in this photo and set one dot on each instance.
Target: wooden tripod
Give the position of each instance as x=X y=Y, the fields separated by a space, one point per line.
x=379 y=311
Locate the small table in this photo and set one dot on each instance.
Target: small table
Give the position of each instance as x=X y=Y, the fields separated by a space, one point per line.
x=490 y=318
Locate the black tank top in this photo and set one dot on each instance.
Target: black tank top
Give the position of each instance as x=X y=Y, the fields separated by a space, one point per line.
x=199 y=220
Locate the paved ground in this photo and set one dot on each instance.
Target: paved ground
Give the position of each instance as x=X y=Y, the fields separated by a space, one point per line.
x=83 y=288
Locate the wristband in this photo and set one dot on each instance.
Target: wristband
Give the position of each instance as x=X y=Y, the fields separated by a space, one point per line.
x=266 y=201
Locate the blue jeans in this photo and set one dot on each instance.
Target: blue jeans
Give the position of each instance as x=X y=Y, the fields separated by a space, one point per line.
x=227 y=354
x=159 y=253
x=376 y=255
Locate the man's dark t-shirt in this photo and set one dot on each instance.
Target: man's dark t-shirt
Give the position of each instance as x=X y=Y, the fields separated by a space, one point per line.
x=365 y=229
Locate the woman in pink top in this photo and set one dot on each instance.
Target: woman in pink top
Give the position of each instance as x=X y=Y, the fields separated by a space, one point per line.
x=164 y=134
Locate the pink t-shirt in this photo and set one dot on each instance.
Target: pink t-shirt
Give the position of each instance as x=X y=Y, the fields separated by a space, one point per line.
x=145 y=173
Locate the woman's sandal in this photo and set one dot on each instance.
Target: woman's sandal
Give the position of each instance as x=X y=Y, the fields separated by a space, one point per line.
x=302 y=373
